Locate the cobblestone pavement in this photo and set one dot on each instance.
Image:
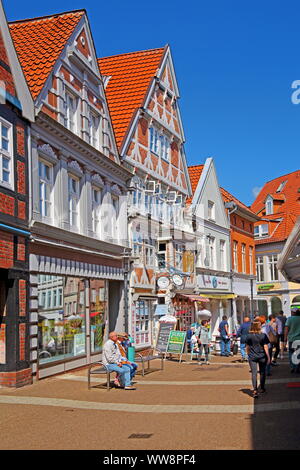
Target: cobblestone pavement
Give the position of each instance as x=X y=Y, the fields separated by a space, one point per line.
x=185 y=406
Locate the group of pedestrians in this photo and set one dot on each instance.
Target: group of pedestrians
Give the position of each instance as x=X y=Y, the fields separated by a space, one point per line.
x=266 y=340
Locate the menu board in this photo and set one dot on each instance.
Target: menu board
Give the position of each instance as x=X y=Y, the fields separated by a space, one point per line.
x=176 y=342
x=163 y=335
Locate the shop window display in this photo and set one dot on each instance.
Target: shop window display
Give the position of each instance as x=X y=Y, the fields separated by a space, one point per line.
x=61 y=319
x=98 y=312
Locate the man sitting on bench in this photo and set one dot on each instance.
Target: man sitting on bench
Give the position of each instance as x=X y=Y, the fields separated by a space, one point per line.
x=112 y=360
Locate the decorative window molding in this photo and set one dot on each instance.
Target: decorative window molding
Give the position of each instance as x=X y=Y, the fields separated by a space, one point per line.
x=47 y=152
x=97 y=180
x=75 y=168
x=116 y=190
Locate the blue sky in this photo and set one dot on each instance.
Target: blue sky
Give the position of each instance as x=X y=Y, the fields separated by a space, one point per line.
x=235 y=62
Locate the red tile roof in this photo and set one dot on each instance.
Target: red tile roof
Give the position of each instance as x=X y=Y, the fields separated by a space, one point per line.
x=227 y=197
x=39 y=42
x=288 y=210
x=195 y=173
x=131 y=75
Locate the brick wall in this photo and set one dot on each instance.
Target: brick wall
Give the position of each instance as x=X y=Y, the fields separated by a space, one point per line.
x=22 y=338
x=21 y=182
x=16 y=379
x=22 y=210
x=6 y=250
x=22 y=297
x=21 y=249
x=7 y=204
x=20 y=139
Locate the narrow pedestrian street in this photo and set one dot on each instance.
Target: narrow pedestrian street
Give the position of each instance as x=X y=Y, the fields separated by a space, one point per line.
x=184 y=406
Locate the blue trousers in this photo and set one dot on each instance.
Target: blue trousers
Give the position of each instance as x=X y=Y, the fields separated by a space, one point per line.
x=243 y=350
x=132 y=367
x=225 y=346
x=124 y=373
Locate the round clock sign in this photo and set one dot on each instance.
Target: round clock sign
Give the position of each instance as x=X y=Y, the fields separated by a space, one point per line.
x=177 y=279
x=163 y=282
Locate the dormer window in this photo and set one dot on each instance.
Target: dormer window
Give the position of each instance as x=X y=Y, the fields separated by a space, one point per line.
x=269 y=205
x=261 y=231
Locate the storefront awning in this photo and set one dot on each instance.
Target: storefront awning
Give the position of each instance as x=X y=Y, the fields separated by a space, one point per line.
x=221 y=296
x=195 y=298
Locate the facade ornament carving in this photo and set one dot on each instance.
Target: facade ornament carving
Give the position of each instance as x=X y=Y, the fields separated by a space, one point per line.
x=96 y=179
x=74 y=165
x=47 y=150
x=115 y=189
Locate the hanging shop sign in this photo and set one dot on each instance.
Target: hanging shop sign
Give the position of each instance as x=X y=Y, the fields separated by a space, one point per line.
x=213 y=282
x=163 y=335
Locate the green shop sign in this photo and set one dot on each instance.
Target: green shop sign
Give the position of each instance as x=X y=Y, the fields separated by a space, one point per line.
x=176 y=342
x=265 y=287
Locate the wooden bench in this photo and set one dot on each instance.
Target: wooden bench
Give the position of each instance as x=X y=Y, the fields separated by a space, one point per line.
x=150 y=356
x=100 y=370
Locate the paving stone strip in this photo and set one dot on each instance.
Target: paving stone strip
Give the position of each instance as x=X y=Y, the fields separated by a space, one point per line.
x=80 y=378
x=135 y=408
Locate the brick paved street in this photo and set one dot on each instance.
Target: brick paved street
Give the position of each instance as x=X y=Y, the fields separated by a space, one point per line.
x=185 y=406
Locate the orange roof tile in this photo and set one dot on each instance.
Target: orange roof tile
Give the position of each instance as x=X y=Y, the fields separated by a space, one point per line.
x=288 y=210
x=195 y=172
x=39 y=42
x=130 y=77
x=227 y=197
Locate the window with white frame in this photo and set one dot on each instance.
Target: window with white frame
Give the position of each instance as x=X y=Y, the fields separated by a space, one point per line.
x=96 y=207
x=159 y=143
x=149 y=253
x=45 y=188
x=73 y=201
x=179 y=250
x=137 y=244
x=235 y=255
x=143 y=318
x=243 y=258
x=260 y=269
x=273 y=271
x=211 y=210
x=251 y=259
x=154 y=138
x=94 y=130
x=6 y=154
x=222 y=255
x=261 y=231
x=115 y=218
x=71 y=103
x=269 y=206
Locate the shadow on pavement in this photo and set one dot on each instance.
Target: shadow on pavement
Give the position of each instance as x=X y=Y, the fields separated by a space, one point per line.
x=276 y=420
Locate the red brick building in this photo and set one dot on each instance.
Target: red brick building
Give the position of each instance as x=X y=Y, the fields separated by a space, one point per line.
x=16 y=112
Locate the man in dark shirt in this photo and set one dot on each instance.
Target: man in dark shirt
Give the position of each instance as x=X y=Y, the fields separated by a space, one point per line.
x=242 y=333
x=225 y=340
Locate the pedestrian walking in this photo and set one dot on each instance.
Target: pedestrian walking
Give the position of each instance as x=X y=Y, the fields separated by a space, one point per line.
x=258 y=355
x=203 y=335
x=112 y=361
x=225 y=339
x=292 y=336
x=282 y=319
x=271 y=332
x=243 y=333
